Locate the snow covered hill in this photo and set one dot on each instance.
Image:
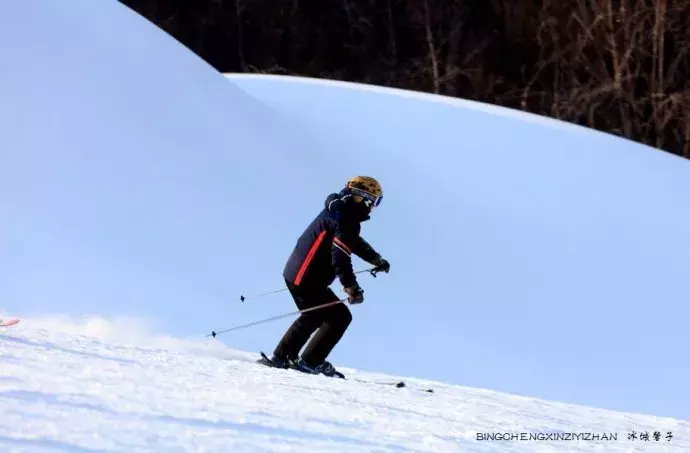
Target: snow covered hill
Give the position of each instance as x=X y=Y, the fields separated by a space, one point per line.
x=100 y=386
x=527 y=255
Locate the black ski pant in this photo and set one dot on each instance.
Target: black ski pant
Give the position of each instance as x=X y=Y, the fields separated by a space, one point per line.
x=329 y=323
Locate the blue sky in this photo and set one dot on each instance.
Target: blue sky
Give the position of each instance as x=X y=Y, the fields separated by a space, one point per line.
x=527 y=256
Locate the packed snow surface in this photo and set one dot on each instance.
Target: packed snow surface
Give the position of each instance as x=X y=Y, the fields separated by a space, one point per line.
x=107 y=387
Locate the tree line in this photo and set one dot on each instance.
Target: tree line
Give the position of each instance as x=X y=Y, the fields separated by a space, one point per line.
x=622 y=67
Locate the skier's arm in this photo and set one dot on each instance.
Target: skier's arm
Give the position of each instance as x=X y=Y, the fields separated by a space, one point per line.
x=347 y=241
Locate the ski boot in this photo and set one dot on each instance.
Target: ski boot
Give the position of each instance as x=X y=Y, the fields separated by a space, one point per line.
x=325 y=368
x=276 y=362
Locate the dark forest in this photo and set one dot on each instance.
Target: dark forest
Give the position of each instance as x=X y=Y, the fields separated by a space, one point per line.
x=622 y=67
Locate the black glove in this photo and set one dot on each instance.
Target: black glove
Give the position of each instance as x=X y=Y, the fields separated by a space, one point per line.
x=381 y=265
x=355 y=294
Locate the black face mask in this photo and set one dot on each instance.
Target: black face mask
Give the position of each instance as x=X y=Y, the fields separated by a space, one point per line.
x=352 y=209
x=358 y=211
x=361 y=211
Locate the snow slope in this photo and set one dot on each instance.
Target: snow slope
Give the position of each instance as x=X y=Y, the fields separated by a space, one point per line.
x=100 y=386
x=530 y=255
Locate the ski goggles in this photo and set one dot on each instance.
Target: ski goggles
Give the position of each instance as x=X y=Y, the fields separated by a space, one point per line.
x=371 y=200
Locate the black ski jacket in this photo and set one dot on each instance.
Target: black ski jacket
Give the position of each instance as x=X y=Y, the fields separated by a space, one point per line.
x=324 y=250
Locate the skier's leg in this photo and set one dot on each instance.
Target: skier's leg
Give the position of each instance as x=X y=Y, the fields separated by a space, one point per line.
x=304 y=326
x=336 y=318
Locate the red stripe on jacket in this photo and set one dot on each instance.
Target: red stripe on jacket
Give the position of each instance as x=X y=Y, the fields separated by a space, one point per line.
x=310 y=256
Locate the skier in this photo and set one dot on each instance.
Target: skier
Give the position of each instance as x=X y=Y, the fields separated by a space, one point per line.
x=322 y=253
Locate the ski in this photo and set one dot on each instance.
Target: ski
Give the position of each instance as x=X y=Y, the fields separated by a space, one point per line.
x=8 y=322
x=399 y=384
x=266 y=361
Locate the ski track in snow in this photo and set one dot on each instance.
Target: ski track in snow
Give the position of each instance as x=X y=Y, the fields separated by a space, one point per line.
x=61 y=392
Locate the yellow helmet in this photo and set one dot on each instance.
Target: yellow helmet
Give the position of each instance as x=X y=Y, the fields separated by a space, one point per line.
x=365 y=189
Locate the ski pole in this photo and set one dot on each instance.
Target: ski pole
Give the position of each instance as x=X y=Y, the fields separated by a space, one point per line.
x=298 y=312
x=372 y=271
